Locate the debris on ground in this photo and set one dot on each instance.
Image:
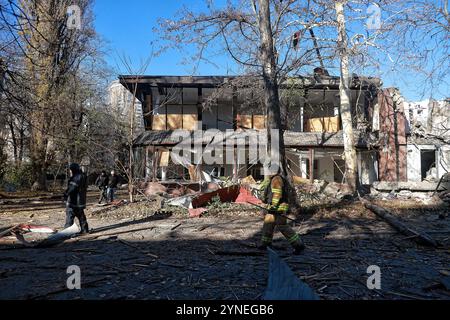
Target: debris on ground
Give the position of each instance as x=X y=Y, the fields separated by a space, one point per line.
x=21 y=233
x=150 y=250
x=245 y=196
x=420 y=237
x=153 y=188
x=228 y=194
x=197 y=213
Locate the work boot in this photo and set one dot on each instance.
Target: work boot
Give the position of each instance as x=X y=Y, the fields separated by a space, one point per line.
x=84 y=231
x=298 y=249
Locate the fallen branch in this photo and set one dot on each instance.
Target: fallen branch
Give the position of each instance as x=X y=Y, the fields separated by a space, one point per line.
x=419 y=237
x=175 y=227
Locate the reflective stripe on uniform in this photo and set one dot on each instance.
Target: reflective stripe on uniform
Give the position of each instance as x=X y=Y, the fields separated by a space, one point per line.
x=294 y=238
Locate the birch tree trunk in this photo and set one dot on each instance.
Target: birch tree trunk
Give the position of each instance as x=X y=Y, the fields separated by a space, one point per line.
x=351 y=171
x=131 y=139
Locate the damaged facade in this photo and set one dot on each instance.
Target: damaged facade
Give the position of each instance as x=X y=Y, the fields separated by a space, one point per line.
x=311 y=119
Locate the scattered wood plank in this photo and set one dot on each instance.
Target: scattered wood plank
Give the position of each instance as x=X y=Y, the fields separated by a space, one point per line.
x=419 y=237
x=171 y=265
x=8 y=230
x=176 y=227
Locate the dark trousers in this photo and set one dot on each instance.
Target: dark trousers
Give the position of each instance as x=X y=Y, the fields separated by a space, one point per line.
x=103 y=194
x=71 y=213
x=111 y=192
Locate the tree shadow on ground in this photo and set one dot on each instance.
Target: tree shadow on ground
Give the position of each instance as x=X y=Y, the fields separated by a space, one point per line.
x=208 y=260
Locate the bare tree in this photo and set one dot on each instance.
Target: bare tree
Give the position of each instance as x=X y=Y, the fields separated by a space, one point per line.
x=129 y=170
x=258 y=36
x=51 y=55
x=351 y=166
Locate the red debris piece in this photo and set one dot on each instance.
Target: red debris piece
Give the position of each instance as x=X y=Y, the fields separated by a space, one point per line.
x=197 y=213
x=245 y=196
x=37 y=229
x=226 y=195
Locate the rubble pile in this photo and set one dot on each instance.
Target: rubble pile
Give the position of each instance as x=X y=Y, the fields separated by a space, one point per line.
x=424 y=192
x=321 y=192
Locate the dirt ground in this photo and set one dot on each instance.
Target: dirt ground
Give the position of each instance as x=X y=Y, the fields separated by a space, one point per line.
x=137 y=253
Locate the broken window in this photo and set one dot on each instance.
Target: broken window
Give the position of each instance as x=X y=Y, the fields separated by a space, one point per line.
x=339 y=170
x=427 y=162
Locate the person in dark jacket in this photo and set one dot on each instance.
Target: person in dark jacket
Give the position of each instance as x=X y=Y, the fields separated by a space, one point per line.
x=102 y=183
x=112 y=186
x=75 y=197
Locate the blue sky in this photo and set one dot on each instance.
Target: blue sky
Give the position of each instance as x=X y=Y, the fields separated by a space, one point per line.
x=126 y=26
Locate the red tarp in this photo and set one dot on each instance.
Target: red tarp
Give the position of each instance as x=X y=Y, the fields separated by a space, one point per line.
x=229 y=194
x=246 y=196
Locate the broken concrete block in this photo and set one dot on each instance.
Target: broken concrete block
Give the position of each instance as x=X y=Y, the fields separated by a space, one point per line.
x=300 y=180
x=332 y=189
x=185 y=202
x=320 y=185
x=405 y=194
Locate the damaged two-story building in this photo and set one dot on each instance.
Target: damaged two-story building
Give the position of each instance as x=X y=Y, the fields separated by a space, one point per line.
x=311 y=118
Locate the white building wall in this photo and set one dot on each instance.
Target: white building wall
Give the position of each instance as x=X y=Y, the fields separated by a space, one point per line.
x=443 y=160
x=413 y=164
x=367 y=167
x=121 y=101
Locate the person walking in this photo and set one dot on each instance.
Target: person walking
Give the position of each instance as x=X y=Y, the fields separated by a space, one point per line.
x=112 y=186
x=75 y=197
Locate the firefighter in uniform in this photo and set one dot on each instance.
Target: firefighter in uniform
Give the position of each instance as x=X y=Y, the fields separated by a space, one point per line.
x=275 y=196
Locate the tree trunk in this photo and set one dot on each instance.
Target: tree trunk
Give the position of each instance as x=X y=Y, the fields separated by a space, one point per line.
x=39 y=164
x=270 y=93
x=272 y=102
x=420 y=237
x=131 y=139
x=351 y=169
x=14 y=140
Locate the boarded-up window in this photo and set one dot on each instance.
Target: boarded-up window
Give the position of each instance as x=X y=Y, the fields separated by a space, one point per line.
x=257 y=122
x=190 y=121
x=326 y=124
x=159 y=122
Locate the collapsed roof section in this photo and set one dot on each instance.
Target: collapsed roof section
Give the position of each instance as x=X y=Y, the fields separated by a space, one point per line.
x=291 y=138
